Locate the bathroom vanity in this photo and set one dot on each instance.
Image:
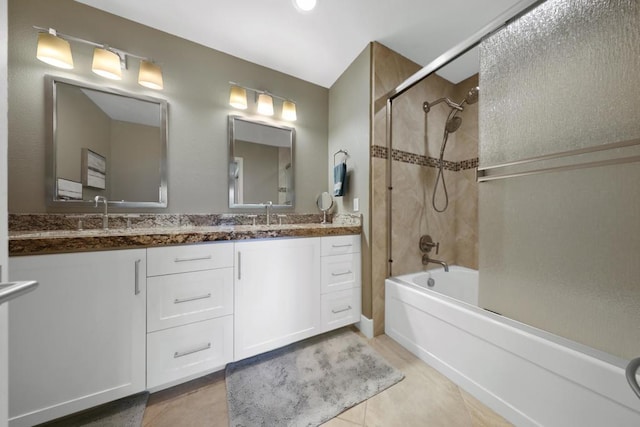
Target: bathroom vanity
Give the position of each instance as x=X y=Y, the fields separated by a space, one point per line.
x=110 y=323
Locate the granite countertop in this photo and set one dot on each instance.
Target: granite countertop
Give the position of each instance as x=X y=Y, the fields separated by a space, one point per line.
x=61 y=241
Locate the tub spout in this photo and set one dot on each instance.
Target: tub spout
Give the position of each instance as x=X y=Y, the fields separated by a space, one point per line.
x=426 y=260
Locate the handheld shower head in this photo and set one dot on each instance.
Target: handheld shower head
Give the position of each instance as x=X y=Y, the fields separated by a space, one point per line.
x=453 y=124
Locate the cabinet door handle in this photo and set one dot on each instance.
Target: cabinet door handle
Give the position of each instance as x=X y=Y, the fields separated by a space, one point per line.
x=342 y=246
x=340 y=311
x=239 y=265
x=200 y=258
x=181 y=300
x=341 y=274
x=178 y=354
x=137 y=281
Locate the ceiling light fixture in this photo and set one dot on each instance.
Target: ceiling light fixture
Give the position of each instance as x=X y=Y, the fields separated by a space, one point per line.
x=304 y=5
x=264 y=100
x=53 y=49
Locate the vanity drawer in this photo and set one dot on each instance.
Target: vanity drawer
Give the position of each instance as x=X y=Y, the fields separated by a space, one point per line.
x=182 y=352
x=341 y=308
x=178 y=299
x=182 y=259
x=340 y=272
x=338 y=245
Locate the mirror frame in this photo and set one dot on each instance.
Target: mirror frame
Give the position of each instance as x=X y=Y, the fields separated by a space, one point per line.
x=51 y=140
x=231 y=133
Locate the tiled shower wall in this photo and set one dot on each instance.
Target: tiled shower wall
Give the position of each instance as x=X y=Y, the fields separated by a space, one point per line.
x=416 y=146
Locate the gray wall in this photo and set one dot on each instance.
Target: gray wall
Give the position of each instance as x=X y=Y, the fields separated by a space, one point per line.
x=559 y=250
x=349 y=129
x=196 y=87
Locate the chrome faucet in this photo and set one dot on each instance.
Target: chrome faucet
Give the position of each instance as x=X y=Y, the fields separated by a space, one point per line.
x=105 y=215
x=268 y=206
x=426 y=260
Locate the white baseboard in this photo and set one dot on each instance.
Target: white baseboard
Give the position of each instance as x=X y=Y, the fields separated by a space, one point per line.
x=366 y=326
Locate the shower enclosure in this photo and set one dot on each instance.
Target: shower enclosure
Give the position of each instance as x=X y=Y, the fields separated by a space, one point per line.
x=557 y=176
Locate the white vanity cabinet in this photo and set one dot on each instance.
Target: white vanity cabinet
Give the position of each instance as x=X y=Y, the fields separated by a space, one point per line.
x=79 y=341
x=341 y=281
x=277 y=293
x=189 y=312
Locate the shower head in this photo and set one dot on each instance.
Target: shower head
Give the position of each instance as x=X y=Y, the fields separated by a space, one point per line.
x=472 y=96
x=453 y=124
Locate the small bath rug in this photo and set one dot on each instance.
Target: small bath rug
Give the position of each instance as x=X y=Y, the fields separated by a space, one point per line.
x=126 y=412
x=306 y=383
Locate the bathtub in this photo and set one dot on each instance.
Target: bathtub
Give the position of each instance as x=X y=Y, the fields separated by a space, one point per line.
x=529 y=376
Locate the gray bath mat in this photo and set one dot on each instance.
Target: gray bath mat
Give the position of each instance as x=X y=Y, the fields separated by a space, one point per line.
x=126 y=412
x=306 y=383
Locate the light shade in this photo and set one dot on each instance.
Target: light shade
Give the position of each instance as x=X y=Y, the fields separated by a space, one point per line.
x=150 y=75
x=289 y=111
x=54 y=51
x=238 y=98
x=265 y=104
x=106 y=64
x=305 y=5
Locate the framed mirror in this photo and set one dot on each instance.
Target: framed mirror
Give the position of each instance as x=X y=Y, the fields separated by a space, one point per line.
x=260 y=164
x=105 y=142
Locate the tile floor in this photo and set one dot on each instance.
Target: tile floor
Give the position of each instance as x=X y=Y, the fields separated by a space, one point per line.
x=423 y=398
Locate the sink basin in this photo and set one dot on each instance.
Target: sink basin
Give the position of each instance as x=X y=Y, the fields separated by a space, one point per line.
x=11 y=290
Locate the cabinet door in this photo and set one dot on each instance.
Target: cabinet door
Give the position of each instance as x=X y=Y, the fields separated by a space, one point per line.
x=277 y=293
x=80 y=340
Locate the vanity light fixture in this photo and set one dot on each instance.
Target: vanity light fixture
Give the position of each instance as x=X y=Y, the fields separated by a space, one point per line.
x=264 y=100
x=106 y=64
x=54 y=49
x=289 y=111
x=238 y=97
x=265 y=104
x=150 y=75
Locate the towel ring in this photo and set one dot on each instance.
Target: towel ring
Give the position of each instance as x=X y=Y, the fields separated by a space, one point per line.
x=338 y=152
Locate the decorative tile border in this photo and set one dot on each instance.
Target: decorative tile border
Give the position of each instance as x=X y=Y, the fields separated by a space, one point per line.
x=380 y=152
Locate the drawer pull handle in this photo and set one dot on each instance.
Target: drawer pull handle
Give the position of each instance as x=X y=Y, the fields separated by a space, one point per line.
x=181 y=300
x=136 y=283
x=340 y=311
x=341 y=274
x=201 y=258
x=177 y=354
x=342 y=246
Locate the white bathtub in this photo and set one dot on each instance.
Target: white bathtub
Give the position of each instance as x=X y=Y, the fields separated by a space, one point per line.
x=528 y=376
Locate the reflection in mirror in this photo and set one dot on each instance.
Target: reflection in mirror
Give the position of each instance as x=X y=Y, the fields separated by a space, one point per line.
x=325 y=203
x=260 y=163
x=106 y=143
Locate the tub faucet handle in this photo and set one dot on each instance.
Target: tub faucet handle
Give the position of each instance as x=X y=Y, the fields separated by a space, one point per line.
x=427 y=243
